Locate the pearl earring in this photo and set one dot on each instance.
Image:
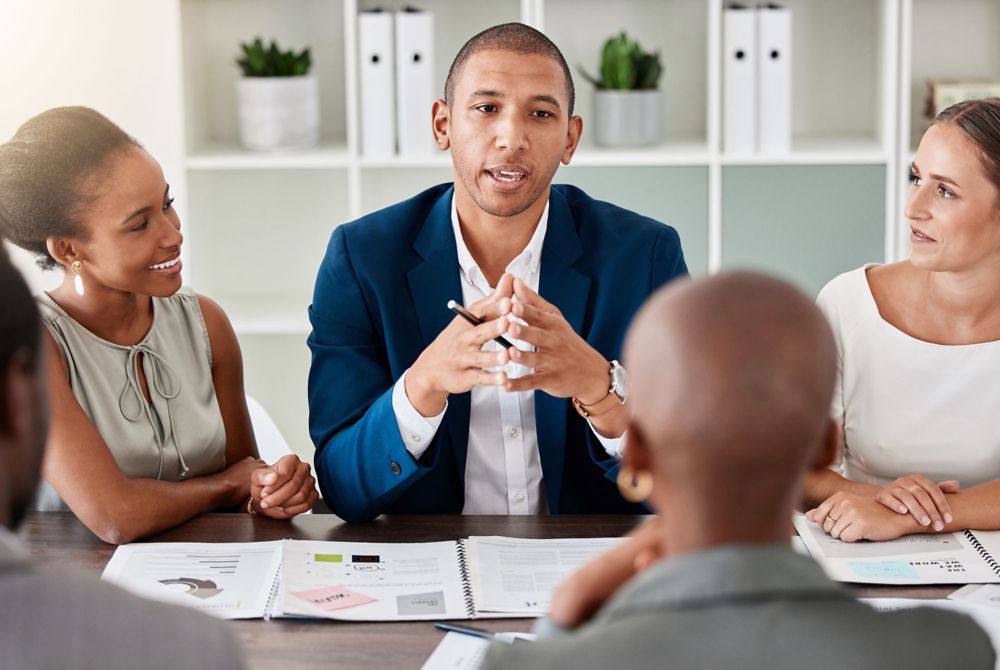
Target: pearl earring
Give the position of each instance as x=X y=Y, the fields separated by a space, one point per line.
x=77 y=268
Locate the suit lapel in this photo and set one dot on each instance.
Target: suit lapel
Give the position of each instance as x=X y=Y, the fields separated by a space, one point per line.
x=569 y=290
x=433 y=283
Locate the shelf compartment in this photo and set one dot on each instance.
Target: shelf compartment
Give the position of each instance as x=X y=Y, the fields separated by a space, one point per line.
x=232 y=156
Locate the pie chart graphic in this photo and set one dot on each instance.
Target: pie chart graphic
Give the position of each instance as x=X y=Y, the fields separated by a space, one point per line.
x=199 y=588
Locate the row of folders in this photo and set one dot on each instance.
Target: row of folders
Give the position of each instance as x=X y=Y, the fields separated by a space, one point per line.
x=757 y=80
x=396 y=58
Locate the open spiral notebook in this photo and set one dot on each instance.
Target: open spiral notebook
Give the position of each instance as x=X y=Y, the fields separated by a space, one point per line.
x=478 y=577
x=966 y=557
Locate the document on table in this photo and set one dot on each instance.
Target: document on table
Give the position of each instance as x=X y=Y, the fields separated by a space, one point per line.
x=365 y=581
x=941 y=558
x=458 y=652
x=231 y=580
x=495 y=577
x=980 y=594
x=518 y=576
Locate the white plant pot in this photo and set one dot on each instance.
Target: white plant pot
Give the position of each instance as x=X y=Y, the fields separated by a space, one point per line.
x=626 y=118
x=278 y=113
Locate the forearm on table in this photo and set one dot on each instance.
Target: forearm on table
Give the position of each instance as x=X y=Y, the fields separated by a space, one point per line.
x=142 y=507
x=821 y=485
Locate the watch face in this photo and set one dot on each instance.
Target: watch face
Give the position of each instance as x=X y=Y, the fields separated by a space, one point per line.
x=619 y=381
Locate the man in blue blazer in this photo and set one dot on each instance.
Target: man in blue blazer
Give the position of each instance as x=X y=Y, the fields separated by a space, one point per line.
x=414 y=409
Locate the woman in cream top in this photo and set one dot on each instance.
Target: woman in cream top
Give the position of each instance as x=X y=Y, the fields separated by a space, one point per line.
x=919 y=342
x=149 y=422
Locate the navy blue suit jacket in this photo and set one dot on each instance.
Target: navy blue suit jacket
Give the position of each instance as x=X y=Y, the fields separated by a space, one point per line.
x=380 y=300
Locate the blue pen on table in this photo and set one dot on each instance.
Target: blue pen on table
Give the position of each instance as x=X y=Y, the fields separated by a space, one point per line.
x=475 y=321
x=466 y=630
x=484 y=634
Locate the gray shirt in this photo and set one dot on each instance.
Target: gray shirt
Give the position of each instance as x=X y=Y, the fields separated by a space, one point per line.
x=179 y=433
x=752 y=606
x=55 y=619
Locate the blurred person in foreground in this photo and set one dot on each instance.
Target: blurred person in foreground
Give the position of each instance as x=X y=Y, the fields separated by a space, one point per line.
x=60 y=620
x=713 y=581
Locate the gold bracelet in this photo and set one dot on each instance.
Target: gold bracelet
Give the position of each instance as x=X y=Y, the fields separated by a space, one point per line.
x=250 y=510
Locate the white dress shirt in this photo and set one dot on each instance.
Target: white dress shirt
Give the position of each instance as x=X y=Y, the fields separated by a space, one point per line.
x=503 y=470
x=909 y=406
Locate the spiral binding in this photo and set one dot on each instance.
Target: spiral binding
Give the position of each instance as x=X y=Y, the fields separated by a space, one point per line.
x=273 y=595
x=981 y=550
x=463 y=568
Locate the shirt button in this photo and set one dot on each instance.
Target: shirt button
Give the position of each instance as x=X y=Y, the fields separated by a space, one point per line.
x=519 y=497
x=512 y=431
x=395 y=467
x=415 y=437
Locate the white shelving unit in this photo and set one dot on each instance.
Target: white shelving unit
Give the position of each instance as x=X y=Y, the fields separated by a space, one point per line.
x=258 y=224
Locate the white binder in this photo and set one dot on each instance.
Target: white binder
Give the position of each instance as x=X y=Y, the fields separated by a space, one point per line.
x=739 y=94
x=378 y=86
x=774 y=64
x=414 y=82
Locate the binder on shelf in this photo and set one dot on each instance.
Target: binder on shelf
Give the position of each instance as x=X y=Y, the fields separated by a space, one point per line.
x=378 y=87
x=414 y=82
x=774 y=67
x=739 y=85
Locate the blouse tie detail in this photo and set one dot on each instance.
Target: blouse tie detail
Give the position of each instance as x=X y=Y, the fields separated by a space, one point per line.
x=162 y=381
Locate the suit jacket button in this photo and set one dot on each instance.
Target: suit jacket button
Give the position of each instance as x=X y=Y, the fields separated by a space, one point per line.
x=395 y=467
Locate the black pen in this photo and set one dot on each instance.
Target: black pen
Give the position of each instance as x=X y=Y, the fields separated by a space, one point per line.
x=475 y=321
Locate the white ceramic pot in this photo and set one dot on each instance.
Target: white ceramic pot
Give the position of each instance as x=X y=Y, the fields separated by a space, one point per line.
x=278 y=113
x=626 y=118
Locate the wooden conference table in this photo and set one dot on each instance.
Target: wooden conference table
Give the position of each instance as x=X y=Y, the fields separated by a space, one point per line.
x=58 y=540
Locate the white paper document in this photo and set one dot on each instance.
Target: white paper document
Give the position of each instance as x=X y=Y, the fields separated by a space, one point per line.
x=979 y=594
x=934 y=558
x=457 y=652
x=518 y=576
x=229 y=580
x=495 y=577
x=364 y=581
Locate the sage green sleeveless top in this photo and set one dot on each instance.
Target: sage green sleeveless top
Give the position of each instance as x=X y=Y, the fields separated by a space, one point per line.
x=176 y=436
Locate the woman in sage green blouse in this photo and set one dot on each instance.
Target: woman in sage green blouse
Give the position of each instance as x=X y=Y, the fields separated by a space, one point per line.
x=149 y=418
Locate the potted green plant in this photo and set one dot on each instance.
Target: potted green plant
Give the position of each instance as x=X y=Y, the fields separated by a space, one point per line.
x=627 y=101
x=278 y=99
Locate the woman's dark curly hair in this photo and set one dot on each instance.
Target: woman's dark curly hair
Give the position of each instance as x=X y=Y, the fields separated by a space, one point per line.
x=42 y=169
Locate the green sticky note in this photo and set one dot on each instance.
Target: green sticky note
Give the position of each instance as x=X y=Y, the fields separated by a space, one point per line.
x=329 y=558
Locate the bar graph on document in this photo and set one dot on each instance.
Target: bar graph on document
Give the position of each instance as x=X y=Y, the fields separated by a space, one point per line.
x=232 y=581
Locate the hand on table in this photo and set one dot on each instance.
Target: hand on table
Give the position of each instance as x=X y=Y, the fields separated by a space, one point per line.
x=284 y=489
x=851 y=517
x=564 y=364
x=920 y=497
x=236 y=477
x=579 y=597
x=455 y=362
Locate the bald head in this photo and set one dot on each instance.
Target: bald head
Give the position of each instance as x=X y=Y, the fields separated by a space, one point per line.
x=732 y=378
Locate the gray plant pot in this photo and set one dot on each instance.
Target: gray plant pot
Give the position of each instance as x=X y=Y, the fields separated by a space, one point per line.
x=626 y=118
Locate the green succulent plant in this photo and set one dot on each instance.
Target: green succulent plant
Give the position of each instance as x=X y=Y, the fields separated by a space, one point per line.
x=260 y=61
x=626 y=67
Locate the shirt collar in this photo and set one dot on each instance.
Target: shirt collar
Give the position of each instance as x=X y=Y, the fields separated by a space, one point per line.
x=724 y=574
x=528 y=261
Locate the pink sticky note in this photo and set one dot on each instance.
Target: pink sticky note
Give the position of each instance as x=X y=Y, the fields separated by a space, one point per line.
x=334 y=598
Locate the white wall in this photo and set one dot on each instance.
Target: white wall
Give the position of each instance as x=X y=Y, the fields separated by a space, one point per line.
x=121 y=57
